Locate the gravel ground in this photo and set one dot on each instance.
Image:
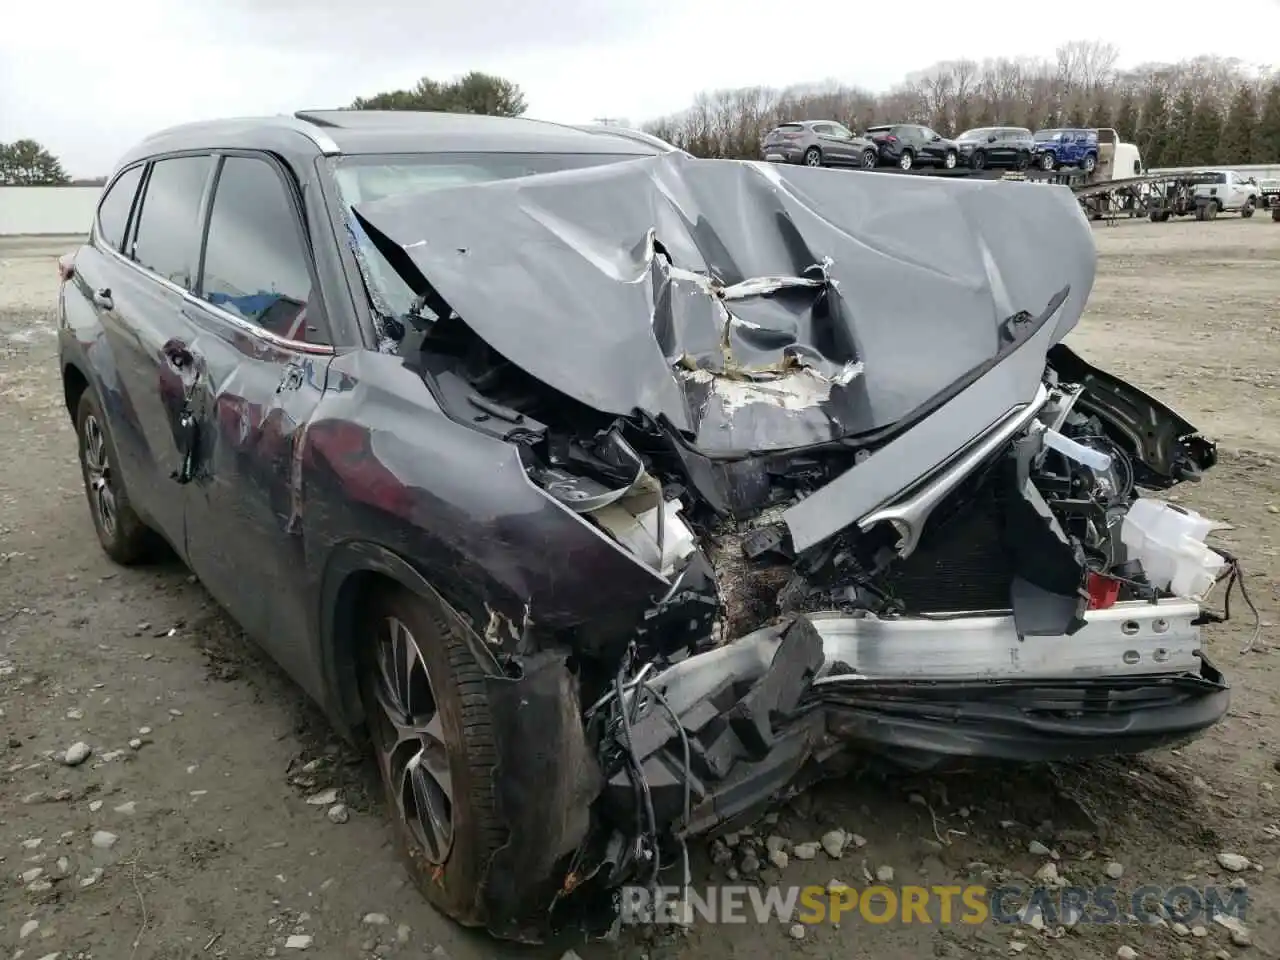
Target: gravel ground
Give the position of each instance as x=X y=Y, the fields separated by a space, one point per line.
x=186 y=832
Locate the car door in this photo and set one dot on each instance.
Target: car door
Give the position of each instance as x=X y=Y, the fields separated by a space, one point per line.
x=1005 y=147
x=138 y=292
x=263 y=351
x=930 y=146
x=1079 y=147
x=835 y=150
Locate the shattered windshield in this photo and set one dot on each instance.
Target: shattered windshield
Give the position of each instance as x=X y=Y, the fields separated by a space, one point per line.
x=368 y=177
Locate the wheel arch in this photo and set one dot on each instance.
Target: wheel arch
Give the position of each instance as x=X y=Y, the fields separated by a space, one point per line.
x=74 y=383
x=354 y=571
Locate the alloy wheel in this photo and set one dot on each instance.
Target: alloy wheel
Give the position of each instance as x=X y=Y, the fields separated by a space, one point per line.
x=98 y=475
x=813 y=159
x=411 y=747
x=905 y=161
x=949 y=161
x=868 y=160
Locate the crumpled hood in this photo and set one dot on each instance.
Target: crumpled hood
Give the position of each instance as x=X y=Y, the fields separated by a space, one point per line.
x=754 y=306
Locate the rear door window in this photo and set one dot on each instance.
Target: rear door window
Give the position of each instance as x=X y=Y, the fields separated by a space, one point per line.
x=167 y=241
x=117 y=203
x=256 y=264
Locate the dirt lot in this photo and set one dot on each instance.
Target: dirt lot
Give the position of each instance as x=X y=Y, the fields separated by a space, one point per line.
x=217 y=853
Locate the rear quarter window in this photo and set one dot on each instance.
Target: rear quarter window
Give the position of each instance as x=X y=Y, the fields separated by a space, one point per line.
x=116 y=205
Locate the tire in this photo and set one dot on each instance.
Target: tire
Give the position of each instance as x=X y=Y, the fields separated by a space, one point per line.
x=124 y=537
x=949 y=161
x=1211 y=211
x=448 y=869
x=907 y=160
x=1047 y=161
x=869 y=159
x=813 y=157
x=1275 y=214
x=1023 y=161
x=1089 y=163
x=978 y=160
x=1201 y=212
x=1247 y=210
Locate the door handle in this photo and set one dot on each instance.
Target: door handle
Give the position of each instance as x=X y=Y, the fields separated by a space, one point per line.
x=102 y=298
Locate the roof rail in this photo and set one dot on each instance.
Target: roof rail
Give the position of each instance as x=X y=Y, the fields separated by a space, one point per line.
x=310 y=116
x=314 y=129
x=311 y=131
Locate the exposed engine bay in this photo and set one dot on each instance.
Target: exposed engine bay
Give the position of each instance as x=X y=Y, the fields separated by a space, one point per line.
x=855 y=537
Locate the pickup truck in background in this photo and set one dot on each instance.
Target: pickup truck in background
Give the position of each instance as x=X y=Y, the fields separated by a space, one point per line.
x=1228 y=191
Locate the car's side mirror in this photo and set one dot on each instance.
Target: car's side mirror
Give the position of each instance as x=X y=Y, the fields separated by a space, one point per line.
x=991 y=139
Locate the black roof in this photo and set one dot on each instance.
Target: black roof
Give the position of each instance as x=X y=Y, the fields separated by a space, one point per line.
x=386 y=131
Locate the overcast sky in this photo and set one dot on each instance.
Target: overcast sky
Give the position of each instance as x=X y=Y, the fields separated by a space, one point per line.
x=87 y=78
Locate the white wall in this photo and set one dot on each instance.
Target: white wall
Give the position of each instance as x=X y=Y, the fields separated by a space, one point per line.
x=47 y=210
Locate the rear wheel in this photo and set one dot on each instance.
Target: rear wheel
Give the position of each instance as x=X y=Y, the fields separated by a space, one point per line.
x=978 y=160
x=123 y=535
x=425 y=697
x=813 y=157
x=1275 y=214
x=1089 y=164
x=1211 y=211
x=1247 y=210
x=907 y=160
x=1023 y=161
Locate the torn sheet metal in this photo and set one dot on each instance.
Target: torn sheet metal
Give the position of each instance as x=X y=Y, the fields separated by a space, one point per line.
x=648 y=284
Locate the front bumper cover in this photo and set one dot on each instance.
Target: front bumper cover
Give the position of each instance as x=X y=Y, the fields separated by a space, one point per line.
x=762 y=714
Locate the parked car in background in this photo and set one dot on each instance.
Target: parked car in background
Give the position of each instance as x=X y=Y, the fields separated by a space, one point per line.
x=818 y=143
x=908 y=145
x=1062 y=147
x=996 y=147
x=1269 y=196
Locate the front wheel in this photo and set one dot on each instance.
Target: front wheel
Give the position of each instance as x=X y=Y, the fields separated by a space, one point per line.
x=949 y=161
x=425 y=696
x=813 y=157
x=1247 y=210
x=1047 y=161
x=1089 y=164
x=869 y=159
x=123 y=535
x=906 y=161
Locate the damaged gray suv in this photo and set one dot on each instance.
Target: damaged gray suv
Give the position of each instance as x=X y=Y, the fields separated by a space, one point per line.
x=613 y=494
